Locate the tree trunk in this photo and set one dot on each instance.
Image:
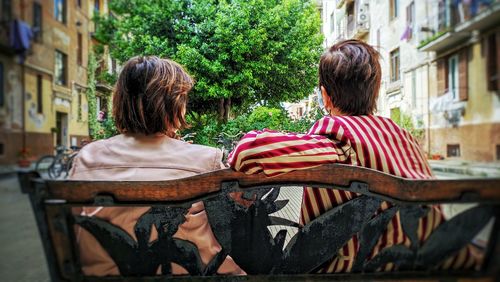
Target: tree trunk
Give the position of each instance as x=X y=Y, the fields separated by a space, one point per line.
x=221 y=109
x=227 y=109
x=224 y=109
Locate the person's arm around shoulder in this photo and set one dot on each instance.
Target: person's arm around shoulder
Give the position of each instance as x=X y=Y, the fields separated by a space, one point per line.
x=274 y=153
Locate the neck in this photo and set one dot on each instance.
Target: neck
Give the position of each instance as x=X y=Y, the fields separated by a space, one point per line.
x=336 y=112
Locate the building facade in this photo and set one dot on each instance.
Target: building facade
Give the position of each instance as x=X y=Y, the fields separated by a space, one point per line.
x=465 y=106
x=434 y=76
x=43 y=101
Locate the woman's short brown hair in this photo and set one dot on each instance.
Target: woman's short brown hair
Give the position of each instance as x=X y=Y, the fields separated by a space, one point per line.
x=151 y=96
x=350 y=73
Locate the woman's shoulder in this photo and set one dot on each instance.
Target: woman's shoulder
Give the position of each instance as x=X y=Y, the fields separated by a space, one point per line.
x=94 y=146
x=193 y=148
x=195 y=154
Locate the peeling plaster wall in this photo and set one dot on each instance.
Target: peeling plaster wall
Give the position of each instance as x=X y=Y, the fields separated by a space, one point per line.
x=41 y=61
x=15 y=98
x=478 y=131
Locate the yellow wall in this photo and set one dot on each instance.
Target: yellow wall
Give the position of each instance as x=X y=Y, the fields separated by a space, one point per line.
x=76 y=126
x=34 y=121
x=481 y=103
x=43 y=122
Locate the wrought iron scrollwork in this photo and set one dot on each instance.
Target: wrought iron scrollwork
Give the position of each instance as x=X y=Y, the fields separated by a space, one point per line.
x=243 y=234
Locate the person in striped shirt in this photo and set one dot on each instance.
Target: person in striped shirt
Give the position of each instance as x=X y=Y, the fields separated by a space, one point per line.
x=349 y=80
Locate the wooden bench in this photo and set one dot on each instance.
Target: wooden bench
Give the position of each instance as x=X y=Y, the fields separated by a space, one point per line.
x=244 y=235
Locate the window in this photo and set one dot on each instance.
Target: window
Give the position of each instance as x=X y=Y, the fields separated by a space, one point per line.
x=79 y=51
x=39 y=93
x=332 y=22
x=498 y=152
x=393 y=9
x=2 y=150
x=37 y=21
x=96 y=6
x=395 y=72
x=453 y=76
x=79 y=116
x=2 y=90
x=6 y=10
x=492 y=59
x=61 y=68
x=60 y=10
x=410 y=19
x=79 y=3
x=101 y=103
x=453 y=150
x=350 y=19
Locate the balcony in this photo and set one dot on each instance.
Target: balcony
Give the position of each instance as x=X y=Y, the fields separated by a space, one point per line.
x=454 y=25
x=358 y=20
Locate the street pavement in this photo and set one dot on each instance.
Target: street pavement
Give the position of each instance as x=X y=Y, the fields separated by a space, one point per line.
x=21 y=253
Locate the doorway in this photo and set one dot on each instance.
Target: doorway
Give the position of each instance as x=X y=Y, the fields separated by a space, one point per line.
x=62 y=129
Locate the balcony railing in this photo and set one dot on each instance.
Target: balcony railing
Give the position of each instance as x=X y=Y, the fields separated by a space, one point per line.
x=453 y=23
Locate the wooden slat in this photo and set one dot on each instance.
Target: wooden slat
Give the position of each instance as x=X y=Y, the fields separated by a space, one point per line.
x=197 y=186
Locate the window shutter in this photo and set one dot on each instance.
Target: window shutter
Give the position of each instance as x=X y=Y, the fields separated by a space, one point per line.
x=463 y=84
x=442 y=75
x=492 y=51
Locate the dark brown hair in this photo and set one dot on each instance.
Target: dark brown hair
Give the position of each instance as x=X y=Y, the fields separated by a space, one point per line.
x=350 y=73
x=151 y=96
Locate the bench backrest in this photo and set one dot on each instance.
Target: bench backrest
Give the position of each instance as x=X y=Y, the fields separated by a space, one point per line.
x=243 y=232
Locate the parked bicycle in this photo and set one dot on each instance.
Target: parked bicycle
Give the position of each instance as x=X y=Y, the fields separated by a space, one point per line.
x=55 y=166
x=227 y=142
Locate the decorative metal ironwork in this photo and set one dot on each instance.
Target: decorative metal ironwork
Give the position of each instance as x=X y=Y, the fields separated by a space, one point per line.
x=243 y=234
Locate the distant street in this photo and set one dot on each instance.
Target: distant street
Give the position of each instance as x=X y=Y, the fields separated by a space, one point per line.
x=21 y=253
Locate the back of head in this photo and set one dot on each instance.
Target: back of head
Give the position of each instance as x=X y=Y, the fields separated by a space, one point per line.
x=350 y=72
x=150 y=96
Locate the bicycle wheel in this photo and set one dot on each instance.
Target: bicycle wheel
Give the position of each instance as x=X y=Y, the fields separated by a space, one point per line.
x=56 y=169
x=44 y=164
x=69 y=164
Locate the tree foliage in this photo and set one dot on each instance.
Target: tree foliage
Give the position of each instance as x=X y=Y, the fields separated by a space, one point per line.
x=241 y=52
x=97 y=130
x=208 y=129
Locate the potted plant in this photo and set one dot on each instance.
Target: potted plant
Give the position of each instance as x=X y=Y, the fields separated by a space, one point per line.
x=23 y=157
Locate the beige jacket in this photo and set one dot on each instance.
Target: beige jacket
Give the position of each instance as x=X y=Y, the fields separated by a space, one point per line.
x=134 y=157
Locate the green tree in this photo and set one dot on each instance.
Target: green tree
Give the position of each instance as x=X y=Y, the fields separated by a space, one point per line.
x=241 y=52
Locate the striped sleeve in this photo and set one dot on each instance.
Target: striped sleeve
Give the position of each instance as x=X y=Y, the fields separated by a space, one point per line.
x=274 y=153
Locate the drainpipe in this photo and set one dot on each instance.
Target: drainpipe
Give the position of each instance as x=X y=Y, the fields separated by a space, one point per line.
x=23 y=87
x=428 y=110
x=23 y=101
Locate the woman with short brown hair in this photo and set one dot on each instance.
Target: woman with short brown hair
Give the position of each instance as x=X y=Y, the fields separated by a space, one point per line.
x=150 y=97
x=349 y=81
x=149 y=105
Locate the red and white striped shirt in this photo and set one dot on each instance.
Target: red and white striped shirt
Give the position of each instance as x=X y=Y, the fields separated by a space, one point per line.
x=367 y=141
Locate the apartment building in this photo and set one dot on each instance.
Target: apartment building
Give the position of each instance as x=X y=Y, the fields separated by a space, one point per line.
x=44 y=50
x=465 y=106
x=439 y=68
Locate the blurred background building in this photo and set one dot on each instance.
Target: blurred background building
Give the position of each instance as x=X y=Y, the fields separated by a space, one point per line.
x=440 y=63
x=44 y=53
